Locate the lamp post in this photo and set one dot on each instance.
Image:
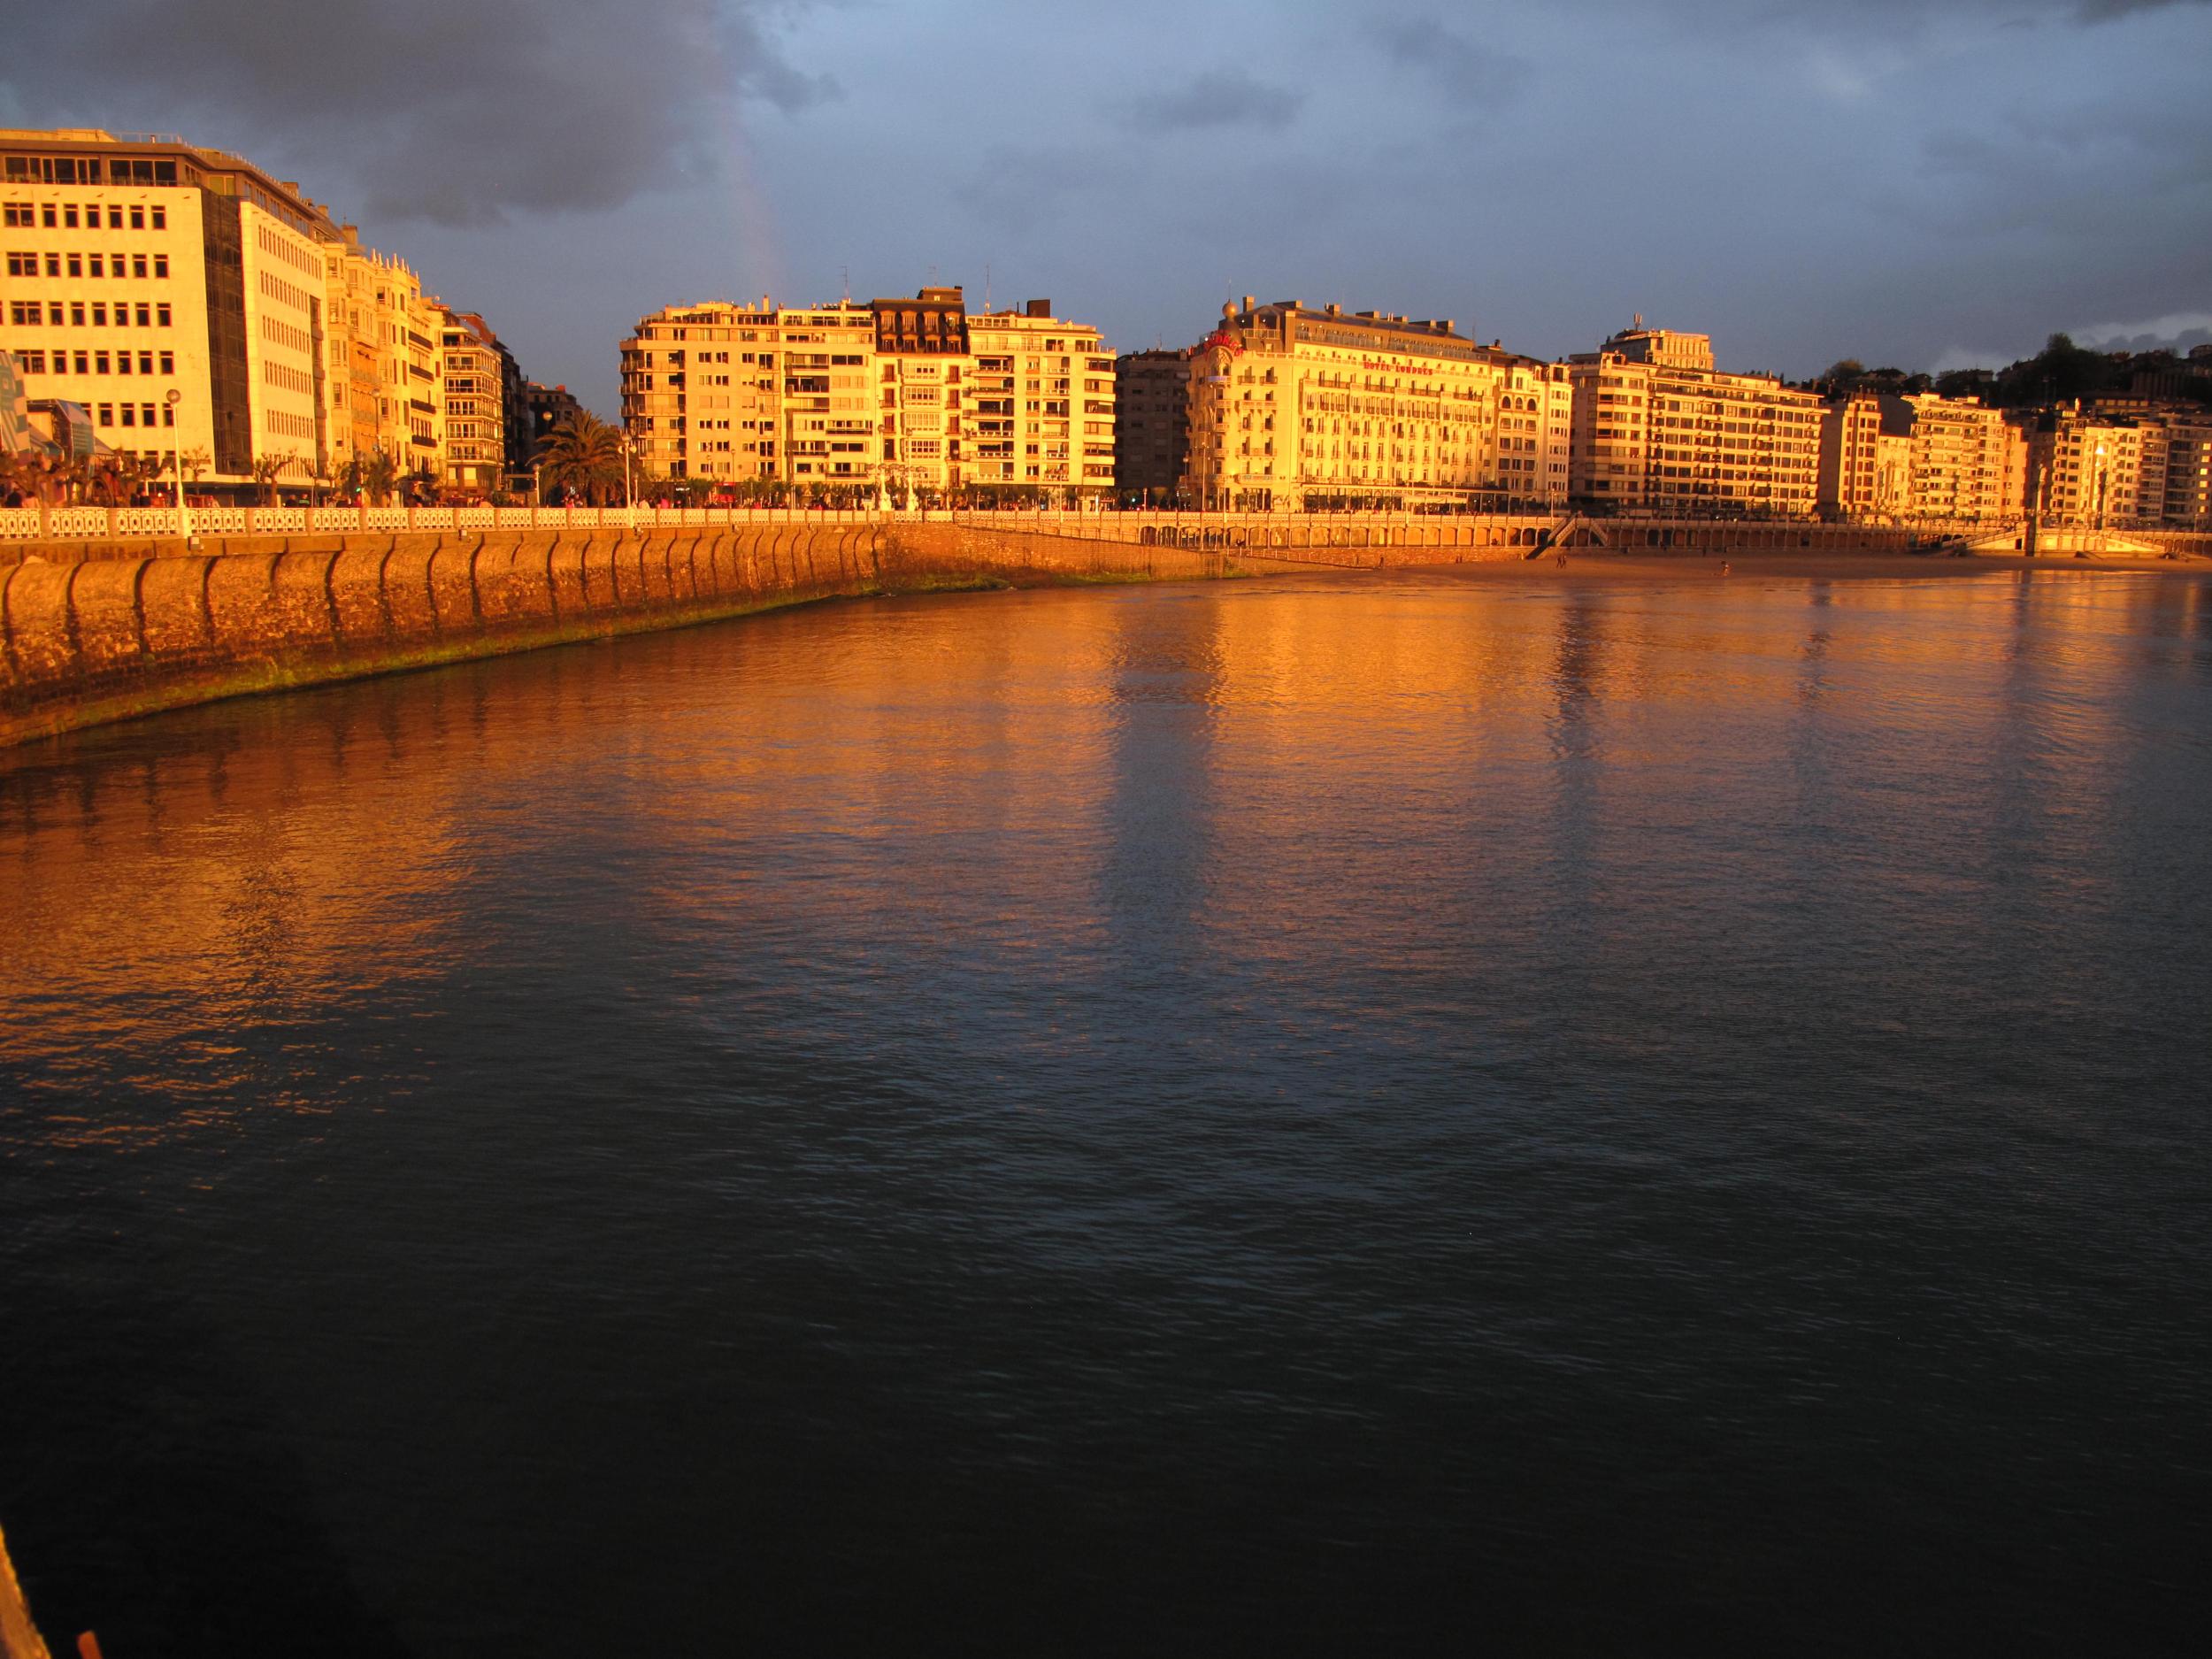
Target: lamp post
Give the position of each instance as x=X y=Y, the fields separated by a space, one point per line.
x=176 y=458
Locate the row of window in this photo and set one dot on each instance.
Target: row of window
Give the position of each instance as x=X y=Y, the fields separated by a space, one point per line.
x=133 y=415
x=24 y=264
x=34 y=314
x=62 y=215
x=99 y=362
x=89 y=170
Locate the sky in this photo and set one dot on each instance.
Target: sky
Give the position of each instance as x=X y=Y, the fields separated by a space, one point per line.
x=1922 y=183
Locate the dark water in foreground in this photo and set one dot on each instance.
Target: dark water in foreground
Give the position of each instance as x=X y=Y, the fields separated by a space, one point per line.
x=1577 y=1117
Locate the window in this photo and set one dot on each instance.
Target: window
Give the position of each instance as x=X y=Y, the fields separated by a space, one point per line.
x=100 y=364
x=138 y=219
x=22 y=264
x=19 y=216
x=138 y=264
x=168 y=362
x=107 y=414
x=99 y=314
x=122 y=363
x=161 y=265
x=168 y=415
x=115 y=218
x=69 y=215
x=161 y=217
x=84 y=362
x=53 y=264
x=130 y=414
x=46 y=215
x=161 y=315
x=33 y=362
x=76 y=313
x=76 y=264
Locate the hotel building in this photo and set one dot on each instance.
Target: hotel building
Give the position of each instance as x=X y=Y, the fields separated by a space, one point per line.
x=1657 y=428
x=135 y=268
x=1292 y=409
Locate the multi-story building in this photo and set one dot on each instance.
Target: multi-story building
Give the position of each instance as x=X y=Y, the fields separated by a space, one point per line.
x=2175 y=489
x=921 y=368
x=1658 y=428
x=1969 y=463
x=2086 y=471
x=140 y=267
x=481 y=401
x=1041 y=407
x=547 y=409
x=734 y=393
x=1866 y=457
x=387 y=329
x=888 y=394
x=1152 y=391
x=1291 y=408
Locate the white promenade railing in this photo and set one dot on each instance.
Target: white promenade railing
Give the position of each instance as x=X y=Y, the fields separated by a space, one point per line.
x=1252 y=529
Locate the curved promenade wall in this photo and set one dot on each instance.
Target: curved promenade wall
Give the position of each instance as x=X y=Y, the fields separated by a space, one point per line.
x=104 y=627
x=96 y=633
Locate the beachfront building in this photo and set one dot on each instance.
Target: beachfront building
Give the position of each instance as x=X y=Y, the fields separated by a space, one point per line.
x=1291 y=408
x=138 y=267
x=1658 y=428
x=1041 y=406
x=479 y=402
x=921 y=373
x=2086 y=471
x=1152 y=392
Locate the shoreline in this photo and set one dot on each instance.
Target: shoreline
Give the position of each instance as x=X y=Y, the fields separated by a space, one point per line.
x=1604 y=563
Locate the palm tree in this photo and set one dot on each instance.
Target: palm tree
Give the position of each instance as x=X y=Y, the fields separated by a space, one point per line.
x=379 y=478
x=583 y=456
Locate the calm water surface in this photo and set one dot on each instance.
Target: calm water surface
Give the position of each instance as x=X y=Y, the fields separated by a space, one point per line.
x=1582 y=1117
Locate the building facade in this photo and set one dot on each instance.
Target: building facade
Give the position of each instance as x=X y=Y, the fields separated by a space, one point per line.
x=2086 y=471
x=136 y=268
x=878 y=397
x=1657 y=428
x=1294 y=409
x=483 y=422
x=1152 y=392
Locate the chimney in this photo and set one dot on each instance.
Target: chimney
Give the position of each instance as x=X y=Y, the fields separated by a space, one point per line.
x=1249 y=302
x=1041 y=307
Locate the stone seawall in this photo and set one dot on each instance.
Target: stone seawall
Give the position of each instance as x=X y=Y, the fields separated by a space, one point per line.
x=94 y=634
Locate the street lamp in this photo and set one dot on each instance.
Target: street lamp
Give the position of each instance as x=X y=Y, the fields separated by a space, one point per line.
x=176 y=457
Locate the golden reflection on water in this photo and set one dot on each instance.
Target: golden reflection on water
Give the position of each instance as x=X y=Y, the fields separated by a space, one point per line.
x=1215 y=776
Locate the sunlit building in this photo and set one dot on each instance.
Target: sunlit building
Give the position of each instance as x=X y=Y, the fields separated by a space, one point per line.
x=135 y=268
x=1043 y=404
x=1292 y=407
x=1658 y=428
x=2086 y=471
x=882 y=396
x=479 y=398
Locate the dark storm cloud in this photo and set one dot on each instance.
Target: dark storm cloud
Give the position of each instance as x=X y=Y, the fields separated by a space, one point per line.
x=1225 y=97
x=450 y=110
x=1462 y=68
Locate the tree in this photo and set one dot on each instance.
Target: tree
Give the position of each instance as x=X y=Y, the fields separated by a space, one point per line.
x=1841 y=375
x=269 y=467
x=583 y=457
x=379 y=478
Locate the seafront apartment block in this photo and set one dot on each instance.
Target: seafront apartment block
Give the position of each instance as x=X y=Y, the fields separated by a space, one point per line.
x=896 y=396
x=1658 y=428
